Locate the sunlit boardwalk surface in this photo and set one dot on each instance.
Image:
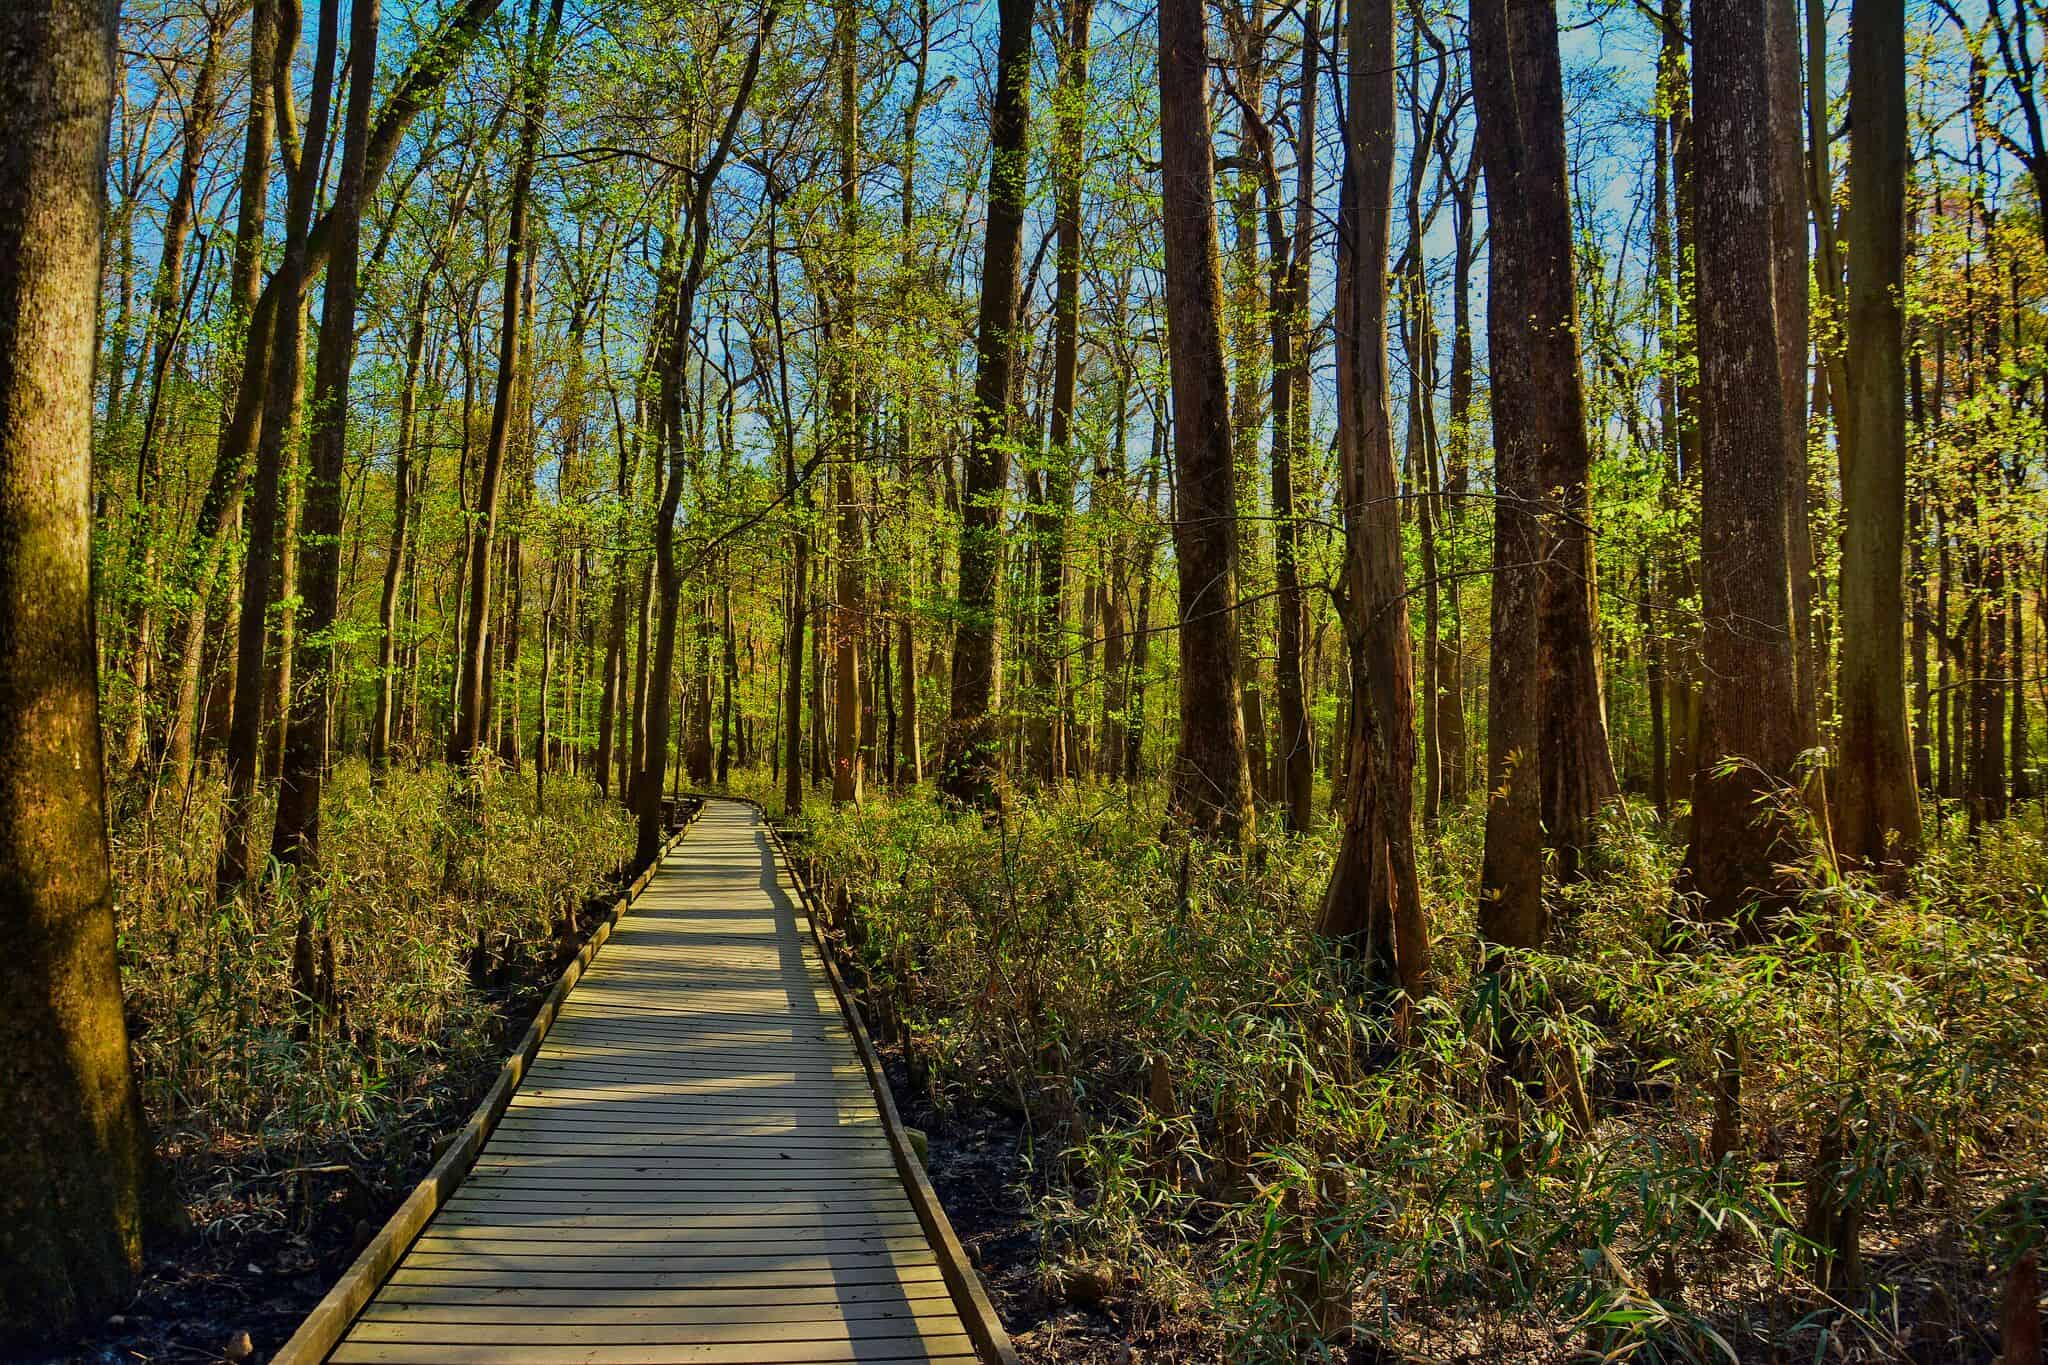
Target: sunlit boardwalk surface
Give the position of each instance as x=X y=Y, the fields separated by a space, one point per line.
x=694 y=1170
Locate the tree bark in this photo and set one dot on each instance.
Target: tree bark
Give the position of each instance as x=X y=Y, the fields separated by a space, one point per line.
x=1533 y=231
x=280 y=416
x=74 y=1158
x=1373 y=904
x=1211 y=788
x=1505 y=72
x=1743 y=831
x=1788 y=239
x=971 y=769
x=295 y=838
x=1877 y=807
x=1294 y=758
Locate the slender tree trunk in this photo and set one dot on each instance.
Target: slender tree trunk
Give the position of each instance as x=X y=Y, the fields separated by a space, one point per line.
x=1245 y=343
x=729 y=666
x=221 y=507
x=971 y=770
x=73 y=1152
x=295 y=839
x=912 y=771
x=1916 y=578
x=1141 y=649
x=1294 y=757
x=849 y=617
x=401 y=512
x=683 y=310
x=1877 y=807
x=169 y=300
x=1049 y=720
x=262 y=559
x=800 y=545
x=1788 y=239
x=1211 y=788
x=1373 y=903
x=472 y=714
x=1457 y=476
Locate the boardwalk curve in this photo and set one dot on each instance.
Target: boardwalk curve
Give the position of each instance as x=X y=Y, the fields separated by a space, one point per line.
x=696 y=1168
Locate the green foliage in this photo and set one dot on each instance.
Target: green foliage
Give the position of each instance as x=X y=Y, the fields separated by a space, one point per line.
x=1210 y=1109
x=231 y=1059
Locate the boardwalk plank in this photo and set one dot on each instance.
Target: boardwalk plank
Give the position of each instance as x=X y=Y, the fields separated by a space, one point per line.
x=694 y=1170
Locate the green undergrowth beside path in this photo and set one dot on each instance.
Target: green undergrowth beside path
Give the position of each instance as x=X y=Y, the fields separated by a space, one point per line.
x=1219 y=1123
x=445 y=926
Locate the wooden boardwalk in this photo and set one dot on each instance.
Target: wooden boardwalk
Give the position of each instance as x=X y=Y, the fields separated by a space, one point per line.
x=694 y=1170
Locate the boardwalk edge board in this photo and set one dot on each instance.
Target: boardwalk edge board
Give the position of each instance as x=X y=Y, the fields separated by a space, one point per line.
x=984 y=1327
x=331 y=1318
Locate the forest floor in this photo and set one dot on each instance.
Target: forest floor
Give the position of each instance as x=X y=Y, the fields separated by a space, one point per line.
x=1946 y=1311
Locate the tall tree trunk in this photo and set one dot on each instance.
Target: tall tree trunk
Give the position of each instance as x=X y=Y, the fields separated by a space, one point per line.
x=1457 y=474
x=1294 y=757
x=221 y=506
x=1049 y=720
x=1788 y=240
x=849 y=618
x=401 y=512
x=1141 y=649
x=169 y=299
x=1663 y=286
x=1749 y=727
x=1373 y=903
x=729 y=665
x=472 y=714
x=800 y=544
x=1513 y=42
x=1575 y=761
x=912 y=771
x=971 y=770
x=262 y=558
x=73 y=1152
x=669 y=584
x=1211 y=789
x=1877 y=806
x=295 y=839
x=1246 y=340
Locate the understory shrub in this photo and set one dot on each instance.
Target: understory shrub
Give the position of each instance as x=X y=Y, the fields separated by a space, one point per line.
x=1213 y=1105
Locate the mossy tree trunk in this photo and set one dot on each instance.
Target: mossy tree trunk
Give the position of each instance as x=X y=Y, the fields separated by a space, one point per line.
x=1877 y=807
x=73 y=1155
